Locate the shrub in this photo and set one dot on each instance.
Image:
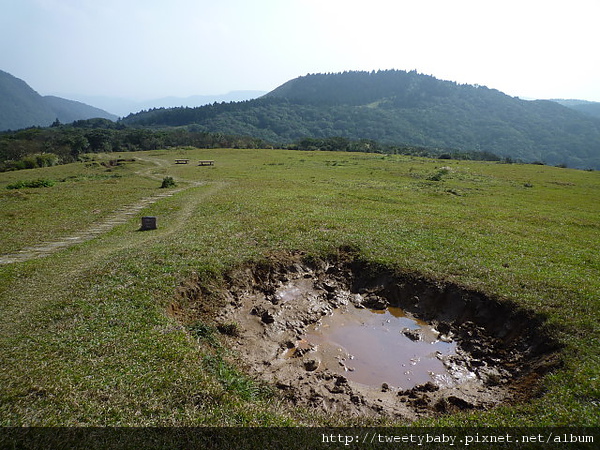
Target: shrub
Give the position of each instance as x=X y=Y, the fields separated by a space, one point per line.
x=32 y=162
x=41 y=182
x=439 y=174
x=46 y=160
x=229 y=329
x=168 y=182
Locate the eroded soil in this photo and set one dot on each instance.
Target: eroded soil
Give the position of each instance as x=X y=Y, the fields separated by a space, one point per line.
x=346 y=337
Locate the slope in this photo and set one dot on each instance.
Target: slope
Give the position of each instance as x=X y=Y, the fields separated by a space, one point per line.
x=20 y=105
x=69 y=110
x=23 y=107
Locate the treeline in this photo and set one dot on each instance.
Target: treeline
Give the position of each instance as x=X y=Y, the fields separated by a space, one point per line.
x=61 y=144
x=342 y=144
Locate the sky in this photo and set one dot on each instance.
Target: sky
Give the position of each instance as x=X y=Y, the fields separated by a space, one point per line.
x=145 y=49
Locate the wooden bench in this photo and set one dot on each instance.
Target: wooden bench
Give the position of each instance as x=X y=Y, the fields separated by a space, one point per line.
x=182 y=161
x=206 y=162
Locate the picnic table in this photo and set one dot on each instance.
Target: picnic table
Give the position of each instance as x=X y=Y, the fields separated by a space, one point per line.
x=206 y=162
x=182 y=161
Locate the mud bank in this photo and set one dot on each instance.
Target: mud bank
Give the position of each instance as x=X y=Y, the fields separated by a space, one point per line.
x=315 y=329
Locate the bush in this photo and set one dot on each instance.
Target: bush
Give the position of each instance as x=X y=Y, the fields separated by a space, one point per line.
x=41 y=182
x=31 y=162
x=168 y=182
x=439 y=174
x=46 y=160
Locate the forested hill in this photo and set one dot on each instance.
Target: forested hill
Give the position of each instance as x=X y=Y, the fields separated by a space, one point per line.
x=590 y=108
x=22 y=107
x=401 y=107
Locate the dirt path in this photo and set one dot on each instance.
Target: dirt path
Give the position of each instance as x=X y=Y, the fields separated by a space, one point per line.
x=119 y=216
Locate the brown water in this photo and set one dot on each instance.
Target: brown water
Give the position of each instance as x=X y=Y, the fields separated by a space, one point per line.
x=371 y=347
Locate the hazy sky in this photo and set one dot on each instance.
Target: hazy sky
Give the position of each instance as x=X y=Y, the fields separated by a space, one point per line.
x=154 y=48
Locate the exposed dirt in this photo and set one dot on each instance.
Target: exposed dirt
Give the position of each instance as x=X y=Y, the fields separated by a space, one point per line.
x=496 y=352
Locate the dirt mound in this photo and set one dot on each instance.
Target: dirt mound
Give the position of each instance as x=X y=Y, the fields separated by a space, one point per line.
x=284 y=309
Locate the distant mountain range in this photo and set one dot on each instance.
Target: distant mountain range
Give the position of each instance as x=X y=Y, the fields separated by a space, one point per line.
x=22 y=107
x=401 y=107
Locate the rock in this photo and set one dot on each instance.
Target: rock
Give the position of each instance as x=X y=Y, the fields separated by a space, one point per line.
x=421 y=401
x=357 y=300
x=311 y=365
x=267 y=318
x=441 y=406
x=375 y=302
x=444 y=338
x=303 y=347
x=443 y=328
x=413 y=335
x=427 y=387
x=476 y=363
x=357 y=400
x=460 y=403
x=341 y=380
x=329 y=287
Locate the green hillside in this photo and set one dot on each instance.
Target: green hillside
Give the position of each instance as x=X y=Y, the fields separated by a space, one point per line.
x=23 y=107
x=401 y=108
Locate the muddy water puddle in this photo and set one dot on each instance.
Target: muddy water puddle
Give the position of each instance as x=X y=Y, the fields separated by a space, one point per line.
x=374 y=347
x=341 y=337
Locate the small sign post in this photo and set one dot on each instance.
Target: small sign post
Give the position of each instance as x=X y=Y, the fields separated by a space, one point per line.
x=148 y=223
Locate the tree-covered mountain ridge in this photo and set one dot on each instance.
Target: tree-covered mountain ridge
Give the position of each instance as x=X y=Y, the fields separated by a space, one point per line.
x=23 y=107
x=404 y=108
x=584 y=106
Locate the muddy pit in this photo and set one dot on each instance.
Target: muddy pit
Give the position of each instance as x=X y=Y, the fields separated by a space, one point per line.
x=346 y=337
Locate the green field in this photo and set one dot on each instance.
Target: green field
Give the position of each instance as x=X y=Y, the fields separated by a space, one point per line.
x=85 y=333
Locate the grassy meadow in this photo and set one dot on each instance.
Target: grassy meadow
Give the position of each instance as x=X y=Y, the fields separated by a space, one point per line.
x=86 y=336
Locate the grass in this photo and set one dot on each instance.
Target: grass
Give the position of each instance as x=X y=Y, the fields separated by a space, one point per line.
x=86 y=193
x=86 y=337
